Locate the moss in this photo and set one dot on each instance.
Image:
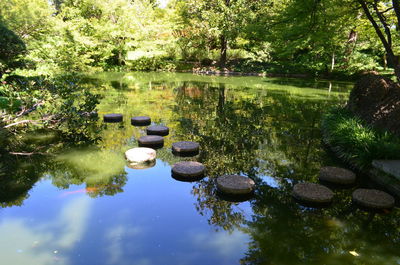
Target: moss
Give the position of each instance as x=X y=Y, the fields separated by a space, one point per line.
x=355 y=141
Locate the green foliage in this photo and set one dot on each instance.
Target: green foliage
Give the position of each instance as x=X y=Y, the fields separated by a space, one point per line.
x=355 y=141
x=11 y=47
x=151 y=64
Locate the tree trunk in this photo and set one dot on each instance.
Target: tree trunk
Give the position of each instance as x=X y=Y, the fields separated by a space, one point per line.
x=224 y=48
x=224 y=43
x=386 y=41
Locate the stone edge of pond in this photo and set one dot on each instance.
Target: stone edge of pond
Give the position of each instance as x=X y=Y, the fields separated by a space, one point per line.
x=387 y=182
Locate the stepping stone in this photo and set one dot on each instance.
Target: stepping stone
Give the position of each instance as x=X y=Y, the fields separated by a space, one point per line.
x=391 y=167
x=188 y=171
x=337 y=175
x=158 y=130
x=312 y=193
x=185 y=148
x=140 y=155
x=373 y=199
x=154 y=141
x=113 y=117
x=235 y=184
x=141 y=121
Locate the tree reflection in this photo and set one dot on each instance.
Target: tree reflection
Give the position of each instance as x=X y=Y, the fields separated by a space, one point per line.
x=273 y=134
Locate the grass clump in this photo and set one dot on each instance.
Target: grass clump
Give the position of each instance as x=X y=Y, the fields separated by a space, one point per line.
x=355 y=141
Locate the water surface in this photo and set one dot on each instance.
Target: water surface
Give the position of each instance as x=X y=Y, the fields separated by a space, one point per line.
x=85 y=206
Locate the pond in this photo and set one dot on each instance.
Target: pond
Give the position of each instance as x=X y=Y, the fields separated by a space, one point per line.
x=85 y=206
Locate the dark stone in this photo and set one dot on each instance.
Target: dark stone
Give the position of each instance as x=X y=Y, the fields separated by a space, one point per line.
x=158 y=130
x=185 y=148
x=235 y=184
x=152 y=141
x=376 y=100
x=312 y=193
x=188 y=171
x=337 y=175
x=113 y=117
x=373 y=199
x=141 y=121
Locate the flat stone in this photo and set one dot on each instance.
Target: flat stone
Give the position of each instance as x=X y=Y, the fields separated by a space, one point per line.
x=140 y=155
x=185 y=147
x=312 y=193
x=391 y=167
x=158 y=130
x=113 y=117
x=235 y=184
x=140 y=121
x=188 y=170
x=151 y=141
x=337 y=175
x=373 y=199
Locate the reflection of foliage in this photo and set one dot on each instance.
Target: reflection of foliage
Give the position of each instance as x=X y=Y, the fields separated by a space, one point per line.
x=284 y=233
x=102 y=171
x=250 y=132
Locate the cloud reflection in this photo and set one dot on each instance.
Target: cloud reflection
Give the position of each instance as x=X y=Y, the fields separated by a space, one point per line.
x=24 y=243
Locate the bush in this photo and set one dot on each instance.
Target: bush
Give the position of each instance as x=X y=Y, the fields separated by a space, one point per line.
x=357 y=142
x=151 y=64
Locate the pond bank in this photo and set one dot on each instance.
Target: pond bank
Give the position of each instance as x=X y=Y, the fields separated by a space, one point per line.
x=357 y=145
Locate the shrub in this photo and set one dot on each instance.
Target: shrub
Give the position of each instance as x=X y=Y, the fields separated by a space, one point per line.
x=357 y=142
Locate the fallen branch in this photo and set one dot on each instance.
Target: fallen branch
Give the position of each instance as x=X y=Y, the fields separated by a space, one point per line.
x=27 y=154
x=20 y=122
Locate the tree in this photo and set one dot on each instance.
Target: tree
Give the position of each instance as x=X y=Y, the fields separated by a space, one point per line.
x=384 y=16
x=11 y=46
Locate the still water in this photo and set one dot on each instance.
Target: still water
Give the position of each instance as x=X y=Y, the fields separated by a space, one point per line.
x=85 y=206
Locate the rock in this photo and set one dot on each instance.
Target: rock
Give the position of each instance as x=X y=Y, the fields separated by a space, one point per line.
x=373 y=199
x=185 y=148
x=337 y=175
x=235 y=184
x=153 y=141
x=391 y=167
x=312 y=193
x=188 y=171
x=140 y=155
x=141 y=121
x=376 y=100
x=113 y=117
x=158 y=130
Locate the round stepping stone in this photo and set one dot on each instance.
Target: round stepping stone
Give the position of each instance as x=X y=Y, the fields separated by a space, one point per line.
x=312 y=193
x=151 y=141
x=185 y=148
x=113 y=117
x=141 y=121
x=188 y=170
x=158 y=130
x=373 y=199
x=235 y=184
x=337 y=175
x=140 y=155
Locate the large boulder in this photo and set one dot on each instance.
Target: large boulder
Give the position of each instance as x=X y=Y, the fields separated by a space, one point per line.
x=376 y=100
